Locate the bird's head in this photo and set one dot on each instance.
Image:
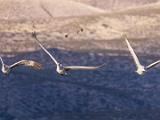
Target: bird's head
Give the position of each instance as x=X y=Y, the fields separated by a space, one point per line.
x=141 y=71
x=60 y=65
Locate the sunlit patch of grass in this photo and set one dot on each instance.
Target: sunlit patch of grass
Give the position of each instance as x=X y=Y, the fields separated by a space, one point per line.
x=20 y=27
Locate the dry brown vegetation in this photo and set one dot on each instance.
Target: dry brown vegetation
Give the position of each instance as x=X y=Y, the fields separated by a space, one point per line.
x=69 y=17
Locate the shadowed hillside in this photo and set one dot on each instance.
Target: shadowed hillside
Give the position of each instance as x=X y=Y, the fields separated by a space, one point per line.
x=112 y=92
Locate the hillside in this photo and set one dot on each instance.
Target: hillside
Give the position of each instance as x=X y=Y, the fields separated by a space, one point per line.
x=96 y=27
x=110 y=5
x=148 y=9
x=31 y=9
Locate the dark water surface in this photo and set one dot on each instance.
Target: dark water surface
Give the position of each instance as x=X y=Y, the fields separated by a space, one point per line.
x=114 y=92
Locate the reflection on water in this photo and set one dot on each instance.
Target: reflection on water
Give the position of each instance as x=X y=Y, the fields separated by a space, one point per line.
x=112 y=92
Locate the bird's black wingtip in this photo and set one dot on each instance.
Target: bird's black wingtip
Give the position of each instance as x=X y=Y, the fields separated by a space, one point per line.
x=34 y=34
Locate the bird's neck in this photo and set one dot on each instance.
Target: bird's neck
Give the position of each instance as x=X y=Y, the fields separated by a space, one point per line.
x=5 y=69
x=2 y=61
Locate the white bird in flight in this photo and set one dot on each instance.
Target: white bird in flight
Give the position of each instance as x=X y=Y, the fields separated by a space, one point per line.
x=59 y=67
x=28 y=63
x=140 y=68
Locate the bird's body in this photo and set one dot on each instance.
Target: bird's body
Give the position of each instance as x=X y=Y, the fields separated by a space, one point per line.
x=5 y=69
x=140 y=68
x=62 y=70
x=28 y=63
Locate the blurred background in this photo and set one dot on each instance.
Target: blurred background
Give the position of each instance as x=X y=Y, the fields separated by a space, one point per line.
x=80 y=32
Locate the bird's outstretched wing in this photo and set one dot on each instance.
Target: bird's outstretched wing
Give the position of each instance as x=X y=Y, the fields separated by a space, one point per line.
x=153 y=64
x=1 y=60
x=28 y=63
x=67 y=68
x=43 y=48
x=135 y=58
